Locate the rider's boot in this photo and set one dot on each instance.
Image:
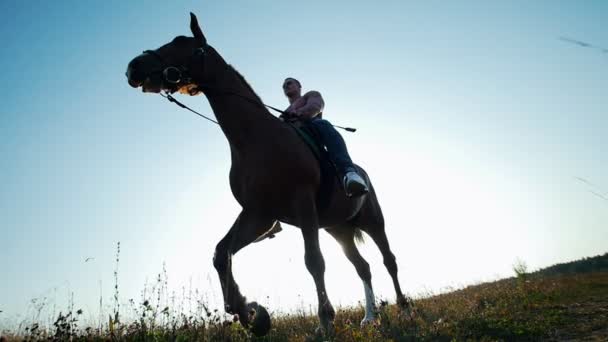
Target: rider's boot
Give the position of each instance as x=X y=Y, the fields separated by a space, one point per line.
x=354 y=185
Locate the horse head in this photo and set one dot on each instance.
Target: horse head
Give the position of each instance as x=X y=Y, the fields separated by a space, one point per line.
x=184 y=64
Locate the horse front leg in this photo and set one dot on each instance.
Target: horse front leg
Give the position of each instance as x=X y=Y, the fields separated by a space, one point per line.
x=316 y=266
x=247 y=227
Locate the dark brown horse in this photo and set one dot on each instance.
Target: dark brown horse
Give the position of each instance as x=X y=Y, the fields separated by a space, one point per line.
x=274 y=175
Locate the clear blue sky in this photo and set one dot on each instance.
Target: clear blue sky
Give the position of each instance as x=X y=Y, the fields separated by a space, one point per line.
x=477 y=108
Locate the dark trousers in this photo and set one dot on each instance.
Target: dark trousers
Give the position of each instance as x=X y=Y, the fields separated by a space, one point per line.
x=335 y=145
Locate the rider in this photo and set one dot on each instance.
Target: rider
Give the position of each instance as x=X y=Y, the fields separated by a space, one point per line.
x=309 y=108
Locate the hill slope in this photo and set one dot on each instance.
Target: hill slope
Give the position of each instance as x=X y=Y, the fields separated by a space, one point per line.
x=567 y=307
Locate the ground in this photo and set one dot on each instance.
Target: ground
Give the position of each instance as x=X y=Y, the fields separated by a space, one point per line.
x=525 y=308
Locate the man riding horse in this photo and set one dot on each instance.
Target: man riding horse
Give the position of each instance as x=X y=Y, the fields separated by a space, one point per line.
x=309 y=108
x=274 y=175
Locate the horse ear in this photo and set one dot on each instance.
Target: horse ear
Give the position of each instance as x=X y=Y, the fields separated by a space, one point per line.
x=196 y=29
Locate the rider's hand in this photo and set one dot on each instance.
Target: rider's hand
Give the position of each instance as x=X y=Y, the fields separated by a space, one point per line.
x=290 y=116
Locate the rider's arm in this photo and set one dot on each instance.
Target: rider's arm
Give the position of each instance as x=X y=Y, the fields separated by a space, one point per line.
x=314 y=105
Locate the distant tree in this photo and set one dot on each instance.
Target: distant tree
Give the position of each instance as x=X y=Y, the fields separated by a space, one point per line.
x=597 y=263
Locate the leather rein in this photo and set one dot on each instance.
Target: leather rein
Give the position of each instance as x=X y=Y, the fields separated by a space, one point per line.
x=173 y=76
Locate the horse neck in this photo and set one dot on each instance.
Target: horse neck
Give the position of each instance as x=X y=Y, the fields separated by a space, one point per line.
x=242 y=121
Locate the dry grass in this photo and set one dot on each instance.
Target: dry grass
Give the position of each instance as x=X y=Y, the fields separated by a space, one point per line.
x=572 y=307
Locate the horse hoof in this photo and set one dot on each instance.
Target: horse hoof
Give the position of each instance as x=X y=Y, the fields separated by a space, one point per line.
x=260 y=319
x=405 y=303
x=325 y=331
x=320 y=334
x=367 y=321
x=407 y=307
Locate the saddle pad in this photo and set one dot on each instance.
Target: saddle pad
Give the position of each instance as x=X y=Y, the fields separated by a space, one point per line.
x=309 y=139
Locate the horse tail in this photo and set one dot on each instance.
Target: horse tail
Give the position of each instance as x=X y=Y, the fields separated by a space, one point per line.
x=359 y=237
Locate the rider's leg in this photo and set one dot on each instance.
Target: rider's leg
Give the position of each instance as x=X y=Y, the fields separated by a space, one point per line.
x=336 y=147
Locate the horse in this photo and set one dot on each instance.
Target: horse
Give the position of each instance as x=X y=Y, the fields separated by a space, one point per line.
x=274 y=176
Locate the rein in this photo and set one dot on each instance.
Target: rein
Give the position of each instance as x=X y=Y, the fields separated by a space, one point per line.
x=174 y=75
x=170 y=98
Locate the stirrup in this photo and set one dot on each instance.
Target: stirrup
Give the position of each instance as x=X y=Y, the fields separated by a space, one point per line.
x=276 y=228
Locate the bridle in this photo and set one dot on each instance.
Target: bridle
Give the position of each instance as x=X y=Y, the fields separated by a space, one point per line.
x=173 y=76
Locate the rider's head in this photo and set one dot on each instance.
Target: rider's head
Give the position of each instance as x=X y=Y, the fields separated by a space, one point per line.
x=292 y=87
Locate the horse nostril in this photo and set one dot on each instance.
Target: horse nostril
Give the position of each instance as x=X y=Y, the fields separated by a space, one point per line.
x=134 y=77
x=134 y=83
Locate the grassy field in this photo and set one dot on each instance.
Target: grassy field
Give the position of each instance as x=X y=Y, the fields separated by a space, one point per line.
x=528 y=307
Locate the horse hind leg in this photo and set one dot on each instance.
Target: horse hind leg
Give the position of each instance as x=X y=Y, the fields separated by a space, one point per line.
x=371 y=220
x=378 y=234
x=345 y=235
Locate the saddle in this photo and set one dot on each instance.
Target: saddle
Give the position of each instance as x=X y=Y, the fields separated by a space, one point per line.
x=312 y=138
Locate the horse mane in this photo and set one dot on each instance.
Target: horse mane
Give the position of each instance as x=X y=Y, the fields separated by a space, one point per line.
x=248 y=86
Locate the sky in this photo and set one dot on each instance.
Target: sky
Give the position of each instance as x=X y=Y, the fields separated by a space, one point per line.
x=476 y=123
